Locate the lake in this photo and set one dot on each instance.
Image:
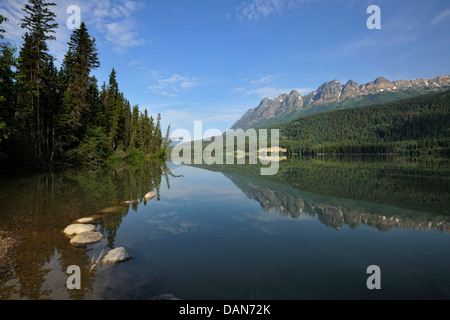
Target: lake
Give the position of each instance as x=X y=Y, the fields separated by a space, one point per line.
x=226 y=232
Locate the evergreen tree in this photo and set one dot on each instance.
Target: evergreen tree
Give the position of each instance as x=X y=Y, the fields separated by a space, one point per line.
x=51 y=101
x=97 y=114
x=128 y=125
x=52 y=117
x=39 y=21
x=157 y=135
x=7 y=87
x=112 y=108
x=79 y=61
x=134 y=127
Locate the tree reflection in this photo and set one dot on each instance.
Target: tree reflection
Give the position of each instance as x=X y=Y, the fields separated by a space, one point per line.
x=38 y=208
x=352 y=192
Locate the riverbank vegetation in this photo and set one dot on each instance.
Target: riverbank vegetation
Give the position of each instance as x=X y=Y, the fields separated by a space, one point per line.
x=59 y=117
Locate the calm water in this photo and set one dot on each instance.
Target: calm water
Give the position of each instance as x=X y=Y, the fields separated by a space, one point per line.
x=225 y=232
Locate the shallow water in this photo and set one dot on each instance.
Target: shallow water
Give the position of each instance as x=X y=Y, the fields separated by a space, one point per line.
x=226 y=232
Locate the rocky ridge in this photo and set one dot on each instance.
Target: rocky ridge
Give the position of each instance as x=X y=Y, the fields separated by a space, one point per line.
x=288 y=106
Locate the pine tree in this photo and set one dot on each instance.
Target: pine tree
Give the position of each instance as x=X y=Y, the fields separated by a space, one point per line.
x=39 y=21
x=97 y=114
x=112 y=108
x=7 y=86
x=51 y=99
x=79 y=61
x=128 y=128
x=134 y=127
x=158 y=139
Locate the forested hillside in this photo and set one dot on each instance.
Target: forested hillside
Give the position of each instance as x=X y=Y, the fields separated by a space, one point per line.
x=416 y=125
x=52 y=117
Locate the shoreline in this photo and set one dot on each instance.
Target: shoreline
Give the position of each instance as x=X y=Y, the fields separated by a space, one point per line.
x=8 y=243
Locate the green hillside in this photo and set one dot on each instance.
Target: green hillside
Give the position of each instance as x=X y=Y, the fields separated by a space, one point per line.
x=415 y=125
x=360 y=101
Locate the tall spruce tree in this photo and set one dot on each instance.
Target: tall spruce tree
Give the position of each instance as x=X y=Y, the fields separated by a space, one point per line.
x=80 y=59
x=113 y=108
x=41 y=25
x=7 y=87
x=51 y=99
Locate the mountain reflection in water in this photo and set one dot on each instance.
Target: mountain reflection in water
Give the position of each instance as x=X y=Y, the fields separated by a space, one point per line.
x=204 y=236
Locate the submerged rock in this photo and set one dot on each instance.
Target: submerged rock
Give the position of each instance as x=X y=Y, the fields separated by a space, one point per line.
x=116 y=255
x=112 y=210
x=86 y=238
x=150 y=196
x=128 y=202
x=78 y=228
x=88 y=219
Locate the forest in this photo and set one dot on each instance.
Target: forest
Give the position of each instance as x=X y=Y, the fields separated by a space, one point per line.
x=60 y=117
x=419 y=125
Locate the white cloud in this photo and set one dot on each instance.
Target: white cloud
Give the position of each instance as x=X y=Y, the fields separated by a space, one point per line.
x=172 y=85
x=260 y=9
x=187 y=84
x=238 y=90
x=112 y=19
x=133 y=63
x=259 y=87
x=272 y=92
x=262 y=80
x=12 y=9
x=441 y=17
x=121 y=36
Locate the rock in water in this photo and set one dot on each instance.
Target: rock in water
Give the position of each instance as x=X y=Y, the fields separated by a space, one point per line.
x=116 y=255
x=78 y=228
x=150 y=196
x=86 y=238
x=88 y=219
x=112 y=210
x=128 y=202
x=85 y=220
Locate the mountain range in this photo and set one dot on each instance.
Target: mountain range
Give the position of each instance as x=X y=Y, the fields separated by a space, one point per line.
x=334 y=95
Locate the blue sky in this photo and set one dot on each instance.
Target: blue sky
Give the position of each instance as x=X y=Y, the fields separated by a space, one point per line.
x=212 y=60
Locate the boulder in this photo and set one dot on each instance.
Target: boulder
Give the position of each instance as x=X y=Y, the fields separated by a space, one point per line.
x=78 y=228
x=86 y=238
x=150 y=196
x=116 y=255
x=88 y=219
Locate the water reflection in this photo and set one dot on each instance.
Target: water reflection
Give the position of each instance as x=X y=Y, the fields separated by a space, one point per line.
x=192 y=236
x=378 y=192
x=337 y=213
x=38 y=208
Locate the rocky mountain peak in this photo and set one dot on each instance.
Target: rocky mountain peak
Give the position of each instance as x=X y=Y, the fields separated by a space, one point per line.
x=352 y=84
x=381 y=80
x=350 y=94
x=328 y=90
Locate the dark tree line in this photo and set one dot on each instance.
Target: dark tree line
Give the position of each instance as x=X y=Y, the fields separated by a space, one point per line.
x=52 y=117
